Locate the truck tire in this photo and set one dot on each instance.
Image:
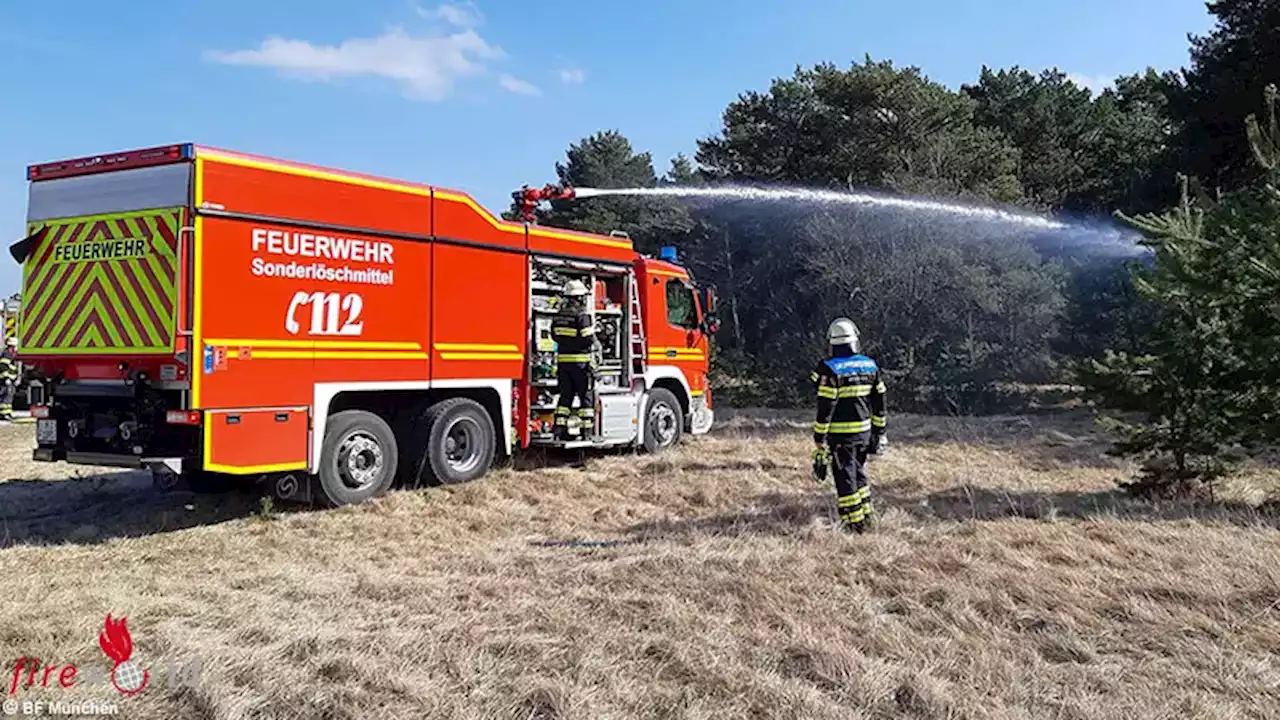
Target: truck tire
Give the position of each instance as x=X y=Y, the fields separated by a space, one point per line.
x=663 y=421
x=461 y=441
x=358 y=459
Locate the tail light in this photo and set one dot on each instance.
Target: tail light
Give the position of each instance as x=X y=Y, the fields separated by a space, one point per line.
x=182 y=417
x=40 y=411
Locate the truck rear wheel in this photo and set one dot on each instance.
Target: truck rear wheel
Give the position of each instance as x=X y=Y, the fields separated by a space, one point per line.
x=663 y=421
x=358 y=458
x=460 y=441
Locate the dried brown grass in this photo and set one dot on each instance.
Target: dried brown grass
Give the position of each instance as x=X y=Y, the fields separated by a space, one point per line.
x=1007 y=580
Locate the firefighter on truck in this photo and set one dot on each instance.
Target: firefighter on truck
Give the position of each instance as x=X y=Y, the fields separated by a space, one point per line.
x=574 y=333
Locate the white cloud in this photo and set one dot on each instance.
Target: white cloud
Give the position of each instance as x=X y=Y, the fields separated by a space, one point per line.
x=1096 y=83
x=518 y=86
x=572 y=76
x=426 y=66
x=463 y=14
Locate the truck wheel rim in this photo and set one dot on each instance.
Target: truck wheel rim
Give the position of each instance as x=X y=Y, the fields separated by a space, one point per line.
x=663 y=420
x=359 y=460
x=462 y=445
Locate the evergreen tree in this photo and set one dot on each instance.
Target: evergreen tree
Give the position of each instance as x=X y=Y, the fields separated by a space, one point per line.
x=1207 y=382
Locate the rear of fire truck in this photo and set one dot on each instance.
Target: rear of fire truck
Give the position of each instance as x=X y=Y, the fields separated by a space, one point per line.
x=104 y=325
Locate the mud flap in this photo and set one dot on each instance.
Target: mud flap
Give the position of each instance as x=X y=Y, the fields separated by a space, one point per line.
x=298 y=487
x=701 y=417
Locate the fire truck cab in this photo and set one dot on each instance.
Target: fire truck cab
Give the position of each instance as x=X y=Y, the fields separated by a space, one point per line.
x=212 y=315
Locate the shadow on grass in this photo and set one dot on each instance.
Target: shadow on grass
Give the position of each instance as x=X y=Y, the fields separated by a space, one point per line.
x=543 y=458
x=982 y=504
x=788 y=513
x=95 y=509
x=1067 y=438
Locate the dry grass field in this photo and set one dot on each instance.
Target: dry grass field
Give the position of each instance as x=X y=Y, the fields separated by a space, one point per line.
x=1007 y=580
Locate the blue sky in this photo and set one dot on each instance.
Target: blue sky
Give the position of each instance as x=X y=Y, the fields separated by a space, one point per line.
x=485 y=96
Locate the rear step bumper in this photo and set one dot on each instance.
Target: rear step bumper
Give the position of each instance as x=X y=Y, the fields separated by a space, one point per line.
x=119 y=460
x=87 y=458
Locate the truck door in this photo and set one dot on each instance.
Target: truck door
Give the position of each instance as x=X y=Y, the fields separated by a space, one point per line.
x=680 y=340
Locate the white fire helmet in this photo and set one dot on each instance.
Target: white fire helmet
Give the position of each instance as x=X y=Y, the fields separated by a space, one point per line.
x=575 y=288
x=842 y=331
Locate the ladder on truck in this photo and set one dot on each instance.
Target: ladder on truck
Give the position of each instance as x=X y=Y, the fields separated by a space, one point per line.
x=639 y=351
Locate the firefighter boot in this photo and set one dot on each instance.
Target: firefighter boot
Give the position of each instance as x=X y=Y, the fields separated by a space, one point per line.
x=587 y=421
x=870 y=520
x=865 y=519
x=561 y=428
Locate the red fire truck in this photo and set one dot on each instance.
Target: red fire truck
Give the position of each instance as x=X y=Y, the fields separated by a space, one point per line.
x=207 y=314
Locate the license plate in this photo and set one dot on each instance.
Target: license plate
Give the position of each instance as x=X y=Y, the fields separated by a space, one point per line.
x=46 y=431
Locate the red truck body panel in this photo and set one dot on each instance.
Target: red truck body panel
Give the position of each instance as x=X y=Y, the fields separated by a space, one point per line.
x=295 y=283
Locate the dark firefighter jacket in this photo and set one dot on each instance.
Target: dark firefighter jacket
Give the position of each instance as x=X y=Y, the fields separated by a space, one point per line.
x=574 y=334
x=850 y=400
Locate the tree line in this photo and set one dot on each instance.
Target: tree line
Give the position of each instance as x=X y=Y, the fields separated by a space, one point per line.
x=962 y=313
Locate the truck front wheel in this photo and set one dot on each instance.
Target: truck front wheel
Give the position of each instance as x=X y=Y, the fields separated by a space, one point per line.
x=663 y=420
x=358 y=458
x=460 y=441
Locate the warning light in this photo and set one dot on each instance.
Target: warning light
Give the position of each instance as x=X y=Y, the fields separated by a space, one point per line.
x=163 y=155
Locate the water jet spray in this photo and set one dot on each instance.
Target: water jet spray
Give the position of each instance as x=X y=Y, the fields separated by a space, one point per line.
x=1092 y=234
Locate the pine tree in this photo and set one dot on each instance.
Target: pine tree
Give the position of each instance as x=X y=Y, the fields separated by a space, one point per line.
x=1206 y=383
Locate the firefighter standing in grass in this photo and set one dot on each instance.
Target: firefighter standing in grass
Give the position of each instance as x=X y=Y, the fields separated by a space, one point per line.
x=850 y=423
x=8 y=381
x=574 y=333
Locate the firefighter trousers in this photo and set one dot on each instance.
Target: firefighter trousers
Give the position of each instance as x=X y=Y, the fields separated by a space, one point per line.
x=7 y=390
x=853 y=493
x=573 y=380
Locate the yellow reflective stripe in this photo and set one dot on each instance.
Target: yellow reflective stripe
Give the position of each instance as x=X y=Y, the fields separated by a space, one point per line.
x=877 y=420
x=827 y=392
x=587 y=332
x=813 y=376
x=855 y=391
x=460 y=356
x=862 y=493
x=682 y=353
x=574 y=358
x=880 y=387
x=851 y=427
x=821 y=427
x=567 y=332
x=470 y=347
x=850 y=501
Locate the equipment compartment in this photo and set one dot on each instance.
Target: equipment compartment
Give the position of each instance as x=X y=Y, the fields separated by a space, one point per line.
x=245 y=442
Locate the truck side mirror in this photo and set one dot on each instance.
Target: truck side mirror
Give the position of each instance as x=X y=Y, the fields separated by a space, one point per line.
x=710 y=324
x=708 y=299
